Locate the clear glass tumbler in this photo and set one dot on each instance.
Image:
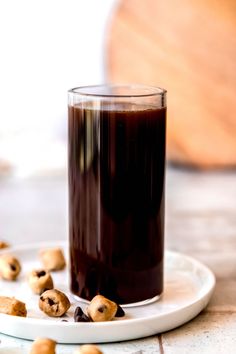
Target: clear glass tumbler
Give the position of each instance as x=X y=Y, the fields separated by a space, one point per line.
x=116 y=168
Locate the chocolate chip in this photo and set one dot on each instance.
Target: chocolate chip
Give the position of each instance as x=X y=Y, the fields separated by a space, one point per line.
x=51 y=302
x=13 y=267
x=79 y=315
x=102 y=308
x=120 y=312
x=78 y=311
x=82 y=318
x=41 y=273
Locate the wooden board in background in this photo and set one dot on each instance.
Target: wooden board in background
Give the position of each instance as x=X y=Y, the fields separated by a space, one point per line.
x=189 y=48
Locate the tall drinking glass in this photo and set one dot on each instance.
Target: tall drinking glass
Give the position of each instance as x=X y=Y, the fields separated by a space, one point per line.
x=116 y=191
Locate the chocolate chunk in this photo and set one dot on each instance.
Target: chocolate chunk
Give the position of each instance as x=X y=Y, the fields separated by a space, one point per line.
x=41 y=273
x=102 y=308
x=120 y=312
x=79 y=315
x=13 y=267
x=51 y=302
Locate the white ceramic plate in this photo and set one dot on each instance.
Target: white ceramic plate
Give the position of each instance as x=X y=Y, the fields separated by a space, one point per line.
x=188 y=287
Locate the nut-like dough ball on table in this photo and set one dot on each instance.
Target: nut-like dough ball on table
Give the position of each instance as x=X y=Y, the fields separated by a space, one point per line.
x=9 y=267
x=54 y=303
x=40 y=280
x=12 y=306
x=43 y=346
x=101 y=309
x=88 y=349
x=53 y=259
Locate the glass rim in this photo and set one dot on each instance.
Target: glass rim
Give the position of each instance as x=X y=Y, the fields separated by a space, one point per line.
x=90 y=90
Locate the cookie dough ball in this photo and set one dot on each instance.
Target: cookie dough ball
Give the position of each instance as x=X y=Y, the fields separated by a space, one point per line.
x=40 y=280
x=53 y=259
x=9 y=267
x=88 y=349
x=12 y=306
x=43 y=346
x=54 y=303
x=101 y=309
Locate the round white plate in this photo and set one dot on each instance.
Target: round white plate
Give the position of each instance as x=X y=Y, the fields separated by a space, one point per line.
x=187 y=289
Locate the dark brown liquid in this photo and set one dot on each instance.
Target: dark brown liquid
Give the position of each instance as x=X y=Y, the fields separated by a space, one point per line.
x=116 y=202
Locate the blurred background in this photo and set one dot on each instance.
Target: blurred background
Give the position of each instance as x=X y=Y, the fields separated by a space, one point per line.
x=47 y=47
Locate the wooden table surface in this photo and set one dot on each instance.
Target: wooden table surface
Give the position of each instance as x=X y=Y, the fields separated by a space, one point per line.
x=200 y=221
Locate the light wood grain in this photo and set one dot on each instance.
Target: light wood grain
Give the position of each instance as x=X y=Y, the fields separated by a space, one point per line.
x=188 y=47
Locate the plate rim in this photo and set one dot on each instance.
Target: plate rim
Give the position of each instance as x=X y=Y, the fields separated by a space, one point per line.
x=38 y=245
x=118 y=322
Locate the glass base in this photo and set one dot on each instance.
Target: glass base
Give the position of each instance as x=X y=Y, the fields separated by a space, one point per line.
x=133 y=304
